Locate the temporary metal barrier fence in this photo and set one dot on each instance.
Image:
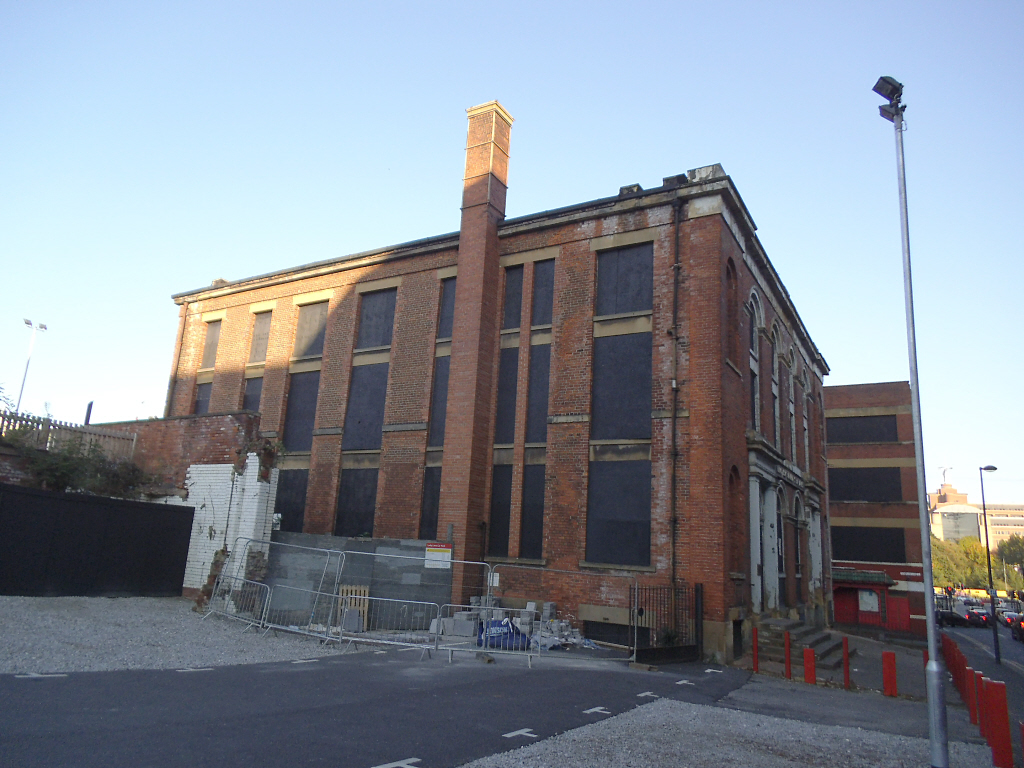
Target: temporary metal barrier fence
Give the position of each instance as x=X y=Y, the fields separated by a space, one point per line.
x=240 y=599
x=386 y=621
x=488 y=629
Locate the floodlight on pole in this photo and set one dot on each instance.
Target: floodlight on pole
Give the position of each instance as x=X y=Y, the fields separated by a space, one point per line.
x=892 y=90
x=988 y=555
x=31 y=343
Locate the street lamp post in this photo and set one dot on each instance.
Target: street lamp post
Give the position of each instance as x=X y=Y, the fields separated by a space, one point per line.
x=31 y=343
x=892 y=91
x=988 y=554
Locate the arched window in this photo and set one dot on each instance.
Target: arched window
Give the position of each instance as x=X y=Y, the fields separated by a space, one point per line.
x=798 y=558
x=732 y=312
x=780 y=544
x=776 y=433
x=754 y=307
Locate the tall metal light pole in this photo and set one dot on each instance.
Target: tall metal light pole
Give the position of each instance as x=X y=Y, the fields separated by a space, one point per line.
x=31 y=343
x=891 y=90
x=988 y=554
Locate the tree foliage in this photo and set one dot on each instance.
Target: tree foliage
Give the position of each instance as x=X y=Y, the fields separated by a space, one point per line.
x=76 y=468
x=964 y=562
x=1012 y=550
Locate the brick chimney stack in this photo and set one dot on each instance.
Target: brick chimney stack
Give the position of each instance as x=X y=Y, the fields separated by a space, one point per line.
x=467 y=445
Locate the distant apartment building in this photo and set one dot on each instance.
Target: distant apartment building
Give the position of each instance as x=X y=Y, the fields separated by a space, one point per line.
x=615 y=392
x=877 y=573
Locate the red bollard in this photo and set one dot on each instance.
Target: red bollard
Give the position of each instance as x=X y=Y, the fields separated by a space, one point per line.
x=999 y=726
x=1022 y=736
x=971 y=699
x=846 y=663
x=926 y=657
x=979 y=681
x=810 y=667
x=789 y=667
x=889 y=673
x=755 y=650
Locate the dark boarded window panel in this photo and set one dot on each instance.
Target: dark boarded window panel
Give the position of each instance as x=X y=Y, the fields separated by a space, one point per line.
x=439 y=401
x=291 y=498
x=862 y=429
x=864 y=484
x=619 y=513
x=537 y=396
x=357 y=498
x=508 y=374
x=210 y=345
x=310 y=330
x=501 y=511
x=253 y=392
x=871 y=545
x=513 y=297
x=301 y=411
x=543 y=291
x=622 y=387
x=625 y=280
x=202 y=404
x=531 y=535
x=431 y=502
x=365 y=417
x=447 y=315
x=260 y=337
x=376 y=318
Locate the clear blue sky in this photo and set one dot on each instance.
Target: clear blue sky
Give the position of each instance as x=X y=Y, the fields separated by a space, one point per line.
x=148 y=148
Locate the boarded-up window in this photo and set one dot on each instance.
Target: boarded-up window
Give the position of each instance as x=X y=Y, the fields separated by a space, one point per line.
x=290 y=503
x=253 y=392
x=513 y=297
x=431 y=502
x=864 y=484
x=376 y=319
x=446 y=319
x=622 y=387
x=301 y=411
x=619 y=513
x=625 y=280
x=357 y=499
x=531 y=535
x=202 y=404
x=364 y=419
x=862 y=429
x=870 y=545
x=755 y=395
x=508 y=374
x=543 y=291
x=260 y=337
x=501 y=510
x=310 y=330
x=439 y=402
x=210 y=345
x=537 y=396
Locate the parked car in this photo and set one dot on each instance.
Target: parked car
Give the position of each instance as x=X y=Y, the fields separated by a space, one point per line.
x=977 y=619
x=949 y=619
x=1017 y=629
x=1009 y=617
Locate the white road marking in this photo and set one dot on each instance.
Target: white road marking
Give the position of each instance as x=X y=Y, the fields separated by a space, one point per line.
x=521 y=732
x=36 y=676
x=716 y=671
x=684 y=681
x=596 y=711
x=197 y=669
x=407 y=763
x=380 y=652
x=305 y=661
x=652 y=694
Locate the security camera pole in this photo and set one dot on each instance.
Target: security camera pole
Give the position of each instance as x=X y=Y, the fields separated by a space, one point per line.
x=891 y=90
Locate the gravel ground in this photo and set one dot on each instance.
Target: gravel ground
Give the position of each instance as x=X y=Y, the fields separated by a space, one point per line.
x=91 y=634
x=674 y=734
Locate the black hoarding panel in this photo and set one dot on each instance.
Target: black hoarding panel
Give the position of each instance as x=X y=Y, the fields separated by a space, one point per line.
x=501 y=510
x=864 y=484
x=376 y=319
x=202 y=404
x=446 y=316
x=253 y=393
x=531 y=539
x=439 y=402
x=868 y=545
x=861 y=429
x=291 y=498
x=508 y=375
x=543 y=291
x=537 y=395
x=301 y=410
x=357 y=500
x=625 y=280
x=431 y=502
x=622 y=387
x=513 y=297
x=619 y=513
x=364 y=420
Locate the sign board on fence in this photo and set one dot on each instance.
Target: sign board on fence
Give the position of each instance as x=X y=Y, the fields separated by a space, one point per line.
x=439 y=555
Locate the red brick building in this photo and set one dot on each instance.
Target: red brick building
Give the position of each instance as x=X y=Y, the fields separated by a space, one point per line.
x=616 y=388
x=876 y=532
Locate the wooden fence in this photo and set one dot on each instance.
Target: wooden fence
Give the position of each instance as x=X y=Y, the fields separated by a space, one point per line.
x=46 y=434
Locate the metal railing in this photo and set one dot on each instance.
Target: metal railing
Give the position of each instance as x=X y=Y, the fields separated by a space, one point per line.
x=46 y=434
x=240 y=599
x=488 y=629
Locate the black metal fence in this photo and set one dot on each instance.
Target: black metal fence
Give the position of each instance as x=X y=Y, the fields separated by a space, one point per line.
x=74 y=544
x=668 y=622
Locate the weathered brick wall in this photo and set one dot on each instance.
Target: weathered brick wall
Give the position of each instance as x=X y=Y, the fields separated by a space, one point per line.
x=13 y=468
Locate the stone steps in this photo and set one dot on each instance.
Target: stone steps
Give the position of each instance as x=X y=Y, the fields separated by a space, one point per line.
x=772 y=643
